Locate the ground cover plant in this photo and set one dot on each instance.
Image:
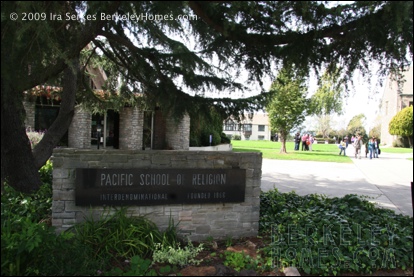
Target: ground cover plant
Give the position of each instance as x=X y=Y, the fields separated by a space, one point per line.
x=328 y=236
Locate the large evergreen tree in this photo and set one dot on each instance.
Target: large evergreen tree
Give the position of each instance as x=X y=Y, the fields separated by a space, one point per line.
x=173 y=58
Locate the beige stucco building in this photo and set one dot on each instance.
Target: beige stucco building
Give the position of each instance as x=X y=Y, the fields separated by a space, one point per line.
x=393 y=101
x=254 y=127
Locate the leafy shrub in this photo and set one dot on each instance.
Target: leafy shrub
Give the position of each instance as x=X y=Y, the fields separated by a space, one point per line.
x=205 y=137
x=37 y=206
x=175 y=255
x=194 y=141
x=137 y=267
x=118 y=235
x=29 y=246
x=325 y=236
x=236 y=137
x=225 y=138
x=240 y=261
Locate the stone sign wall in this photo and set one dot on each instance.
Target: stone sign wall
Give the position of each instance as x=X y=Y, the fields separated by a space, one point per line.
x=198 y=220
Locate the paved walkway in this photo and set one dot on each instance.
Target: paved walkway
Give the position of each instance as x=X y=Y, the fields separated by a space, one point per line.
x=386 y=179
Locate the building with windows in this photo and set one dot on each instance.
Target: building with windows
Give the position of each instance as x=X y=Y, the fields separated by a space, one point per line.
x=394 y=100
x=254 y=127
x=128 y=128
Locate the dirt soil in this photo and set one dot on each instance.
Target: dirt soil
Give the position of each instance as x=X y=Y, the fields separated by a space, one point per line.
x=213 y=258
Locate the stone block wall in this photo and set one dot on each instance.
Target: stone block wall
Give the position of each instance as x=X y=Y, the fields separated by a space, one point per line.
x=177 y=134
x=131 y=122
x=80 y=129
x=198 y=221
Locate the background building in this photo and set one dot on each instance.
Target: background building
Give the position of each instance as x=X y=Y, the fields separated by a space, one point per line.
x=254 y=127
x=393 y=101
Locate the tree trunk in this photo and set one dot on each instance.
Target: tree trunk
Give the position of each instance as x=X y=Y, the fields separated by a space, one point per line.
x=19 y=165
x=17 y=162
x=51 y=138
x=283 y=136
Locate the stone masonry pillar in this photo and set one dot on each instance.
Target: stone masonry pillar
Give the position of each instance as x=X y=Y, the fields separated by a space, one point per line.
x=177 y=134
x=29 y=121
x=80 y=129
x=131 y=125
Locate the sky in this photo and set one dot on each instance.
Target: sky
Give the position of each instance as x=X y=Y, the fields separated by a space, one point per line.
x=364 y=97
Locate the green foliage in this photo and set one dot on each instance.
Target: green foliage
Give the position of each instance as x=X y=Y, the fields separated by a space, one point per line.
x=240 y=261
x=375 y=131
x=202 y=127
x=352 y=232
x=29 y=246
x=225 y=138
x=229 y=241
x=328 y=97
x=402 y=123
x=37 y=207
x=356 y=126
x=118 y=235
x=137 y=267
x=176 y=255
x=288 y=106
x=32 y=248
x=236 y=137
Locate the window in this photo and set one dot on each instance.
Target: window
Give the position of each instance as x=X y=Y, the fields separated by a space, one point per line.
x=247 y=127
x=261 y=138
x=261 y=128
x=229 y=126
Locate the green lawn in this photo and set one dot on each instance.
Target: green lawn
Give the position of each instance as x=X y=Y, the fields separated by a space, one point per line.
x=271 y=150
x=396 y=150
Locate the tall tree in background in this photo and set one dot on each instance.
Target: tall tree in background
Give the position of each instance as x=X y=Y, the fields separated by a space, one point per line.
x=356 y=126
x=327 y=100
x=288 y=105
x=177 y=51
x=402 y=124
x=376 y=130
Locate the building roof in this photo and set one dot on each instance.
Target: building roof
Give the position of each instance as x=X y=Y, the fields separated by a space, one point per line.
x=257 y=119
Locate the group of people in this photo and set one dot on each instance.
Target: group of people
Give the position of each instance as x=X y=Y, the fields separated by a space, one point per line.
x=307 y=141
x=371 y=147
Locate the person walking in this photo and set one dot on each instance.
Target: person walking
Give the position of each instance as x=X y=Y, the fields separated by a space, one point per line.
x=304 y=142
x=297 y=141
x=307 y=142
x=376 y=147
x=371 y=147
x=342 y=146
x=346 y=140
x=358 y=146
x=311 y=141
